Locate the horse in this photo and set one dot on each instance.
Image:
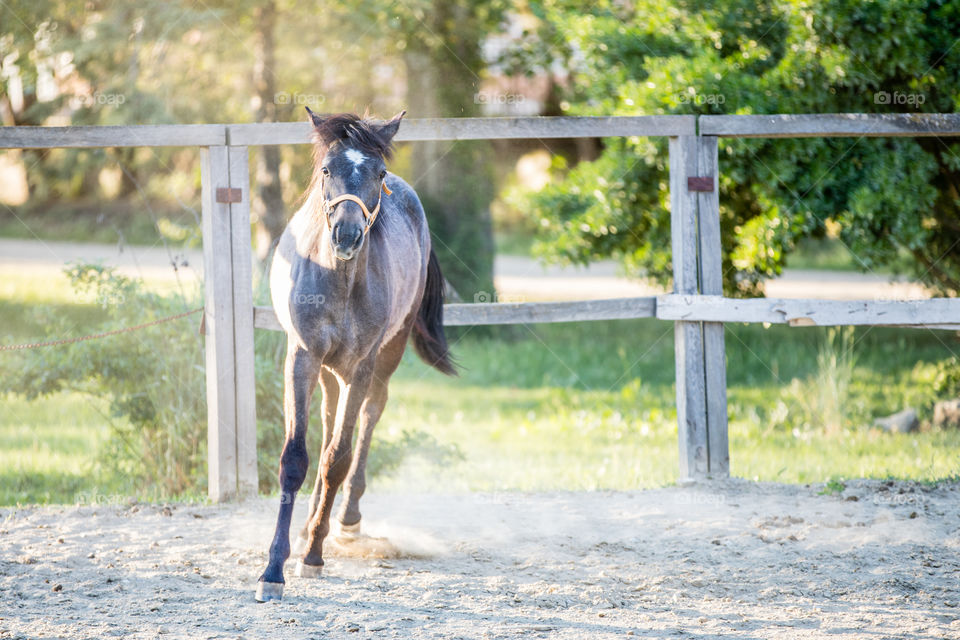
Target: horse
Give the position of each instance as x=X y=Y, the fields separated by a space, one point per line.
x=353 y=277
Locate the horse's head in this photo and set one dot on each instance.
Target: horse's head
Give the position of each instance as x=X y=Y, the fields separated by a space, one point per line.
x=349 y=172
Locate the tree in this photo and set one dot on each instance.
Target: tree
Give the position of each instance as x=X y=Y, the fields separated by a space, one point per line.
x=440 y=44
x=889 y=200
x=270 y=210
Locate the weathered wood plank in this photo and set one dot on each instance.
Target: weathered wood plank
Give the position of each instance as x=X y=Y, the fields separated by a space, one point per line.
x=708 y=216
x=218 y=323
x=935 y=312
x=766 y=126
x=683 y=214
x=413 y=130
x=711 y=282
x=518 y=313
x=242 y=290
x=539 y=312
x=266 y=318
x=141 y=135
x=688 y=336
x=691 y=401
x=831 y=125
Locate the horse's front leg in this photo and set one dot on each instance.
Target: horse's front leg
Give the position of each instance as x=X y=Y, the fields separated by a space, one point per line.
x=301 y=371
x=334 y=465
x=330 y=388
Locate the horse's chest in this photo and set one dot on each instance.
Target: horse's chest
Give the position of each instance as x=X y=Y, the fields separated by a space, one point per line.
x=335 y=325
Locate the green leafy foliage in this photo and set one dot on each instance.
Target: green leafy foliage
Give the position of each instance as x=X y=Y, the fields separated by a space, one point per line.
x=152 y=377
x=889 y=201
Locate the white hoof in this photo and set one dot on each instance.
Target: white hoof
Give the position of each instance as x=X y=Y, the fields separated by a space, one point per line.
x=308 y=570
x=267 y=591
x=349 y=531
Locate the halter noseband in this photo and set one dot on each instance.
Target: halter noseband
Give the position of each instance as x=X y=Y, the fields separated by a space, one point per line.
x=370 y=216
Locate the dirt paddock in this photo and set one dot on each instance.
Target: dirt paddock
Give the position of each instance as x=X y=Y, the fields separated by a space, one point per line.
x=734 y=559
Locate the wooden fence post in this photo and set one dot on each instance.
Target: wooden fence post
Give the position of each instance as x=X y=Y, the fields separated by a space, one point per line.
x=711 y=283
x=228 y=322
x=246 y=412
x=218 y=324
x=688 y=336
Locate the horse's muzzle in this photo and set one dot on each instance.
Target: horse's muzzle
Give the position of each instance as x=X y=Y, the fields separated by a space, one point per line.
x=346 y=240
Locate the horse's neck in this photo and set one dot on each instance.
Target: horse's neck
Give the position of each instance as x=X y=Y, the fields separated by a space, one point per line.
x=347 y=274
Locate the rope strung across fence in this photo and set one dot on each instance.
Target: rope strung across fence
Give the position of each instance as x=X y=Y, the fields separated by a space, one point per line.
x=105 y=334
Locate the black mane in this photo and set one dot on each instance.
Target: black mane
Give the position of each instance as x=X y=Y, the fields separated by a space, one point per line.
x=363 y=134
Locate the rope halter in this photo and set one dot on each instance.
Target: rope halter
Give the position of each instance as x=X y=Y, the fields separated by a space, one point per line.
x=369 y=216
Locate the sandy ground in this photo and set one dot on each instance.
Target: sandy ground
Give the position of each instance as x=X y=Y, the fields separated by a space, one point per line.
x=731 y=559
x=517 y=278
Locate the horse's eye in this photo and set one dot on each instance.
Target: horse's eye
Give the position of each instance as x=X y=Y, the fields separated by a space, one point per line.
x=383 y=174
x=325 y=171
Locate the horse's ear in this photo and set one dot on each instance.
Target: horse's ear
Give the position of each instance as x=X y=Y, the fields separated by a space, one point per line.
x=316 y=120
x=391 y=126
x=321 y=134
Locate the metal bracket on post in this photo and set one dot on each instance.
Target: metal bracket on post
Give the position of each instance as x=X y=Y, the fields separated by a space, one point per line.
x=696 y=183
x=227 y=195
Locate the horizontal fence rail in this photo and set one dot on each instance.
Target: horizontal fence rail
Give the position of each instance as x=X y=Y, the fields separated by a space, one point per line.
x=518 y=313
x=829 y=125
x=414 y=130
x=141 y=135
x=934 y=313
x=742 y=126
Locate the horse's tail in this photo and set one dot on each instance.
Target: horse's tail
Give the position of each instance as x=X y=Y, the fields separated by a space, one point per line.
x=428 y=338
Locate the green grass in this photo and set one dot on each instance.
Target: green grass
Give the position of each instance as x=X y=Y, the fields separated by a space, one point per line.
x=551 y=407
x=47 y=450
x=107 y=222
x=566 y=406
x=23 y=294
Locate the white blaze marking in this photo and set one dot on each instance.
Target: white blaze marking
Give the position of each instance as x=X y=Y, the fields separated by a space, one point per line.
x=355 y=157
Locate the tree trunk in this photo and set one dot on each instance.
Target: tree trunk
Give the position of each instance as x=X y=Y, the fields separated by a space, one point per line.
x=453 y=179
x=268 y=206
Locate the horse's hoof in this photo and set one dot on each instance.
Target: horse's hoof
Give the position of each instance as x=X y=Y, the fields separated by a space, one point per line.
x=308 y=570
x=349 y=531
x=267 y=591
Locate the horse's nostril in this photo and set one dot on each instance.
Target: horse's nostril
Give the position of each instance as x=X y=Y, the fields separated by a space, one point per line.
x=357 y=238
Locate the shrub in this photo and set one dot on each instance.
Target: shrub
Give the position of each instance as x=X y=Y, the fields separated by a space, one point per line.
x=152 y=377
x=154 y=381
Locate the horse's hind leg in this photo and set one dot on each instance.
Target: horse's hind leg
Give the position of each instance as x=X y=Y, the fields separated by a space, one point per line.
x=301 y=371
x=330 y=388
x=356 y=483
x=373 y=405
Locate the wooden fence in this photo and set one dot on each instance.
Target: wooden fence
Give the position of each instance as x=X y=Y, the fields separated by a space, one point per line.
x=697 y=306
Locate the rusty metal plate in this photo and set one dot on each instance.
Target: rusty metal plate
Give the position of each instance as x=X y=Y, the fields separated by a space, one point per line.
x=228 y=195
x=700 y=184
